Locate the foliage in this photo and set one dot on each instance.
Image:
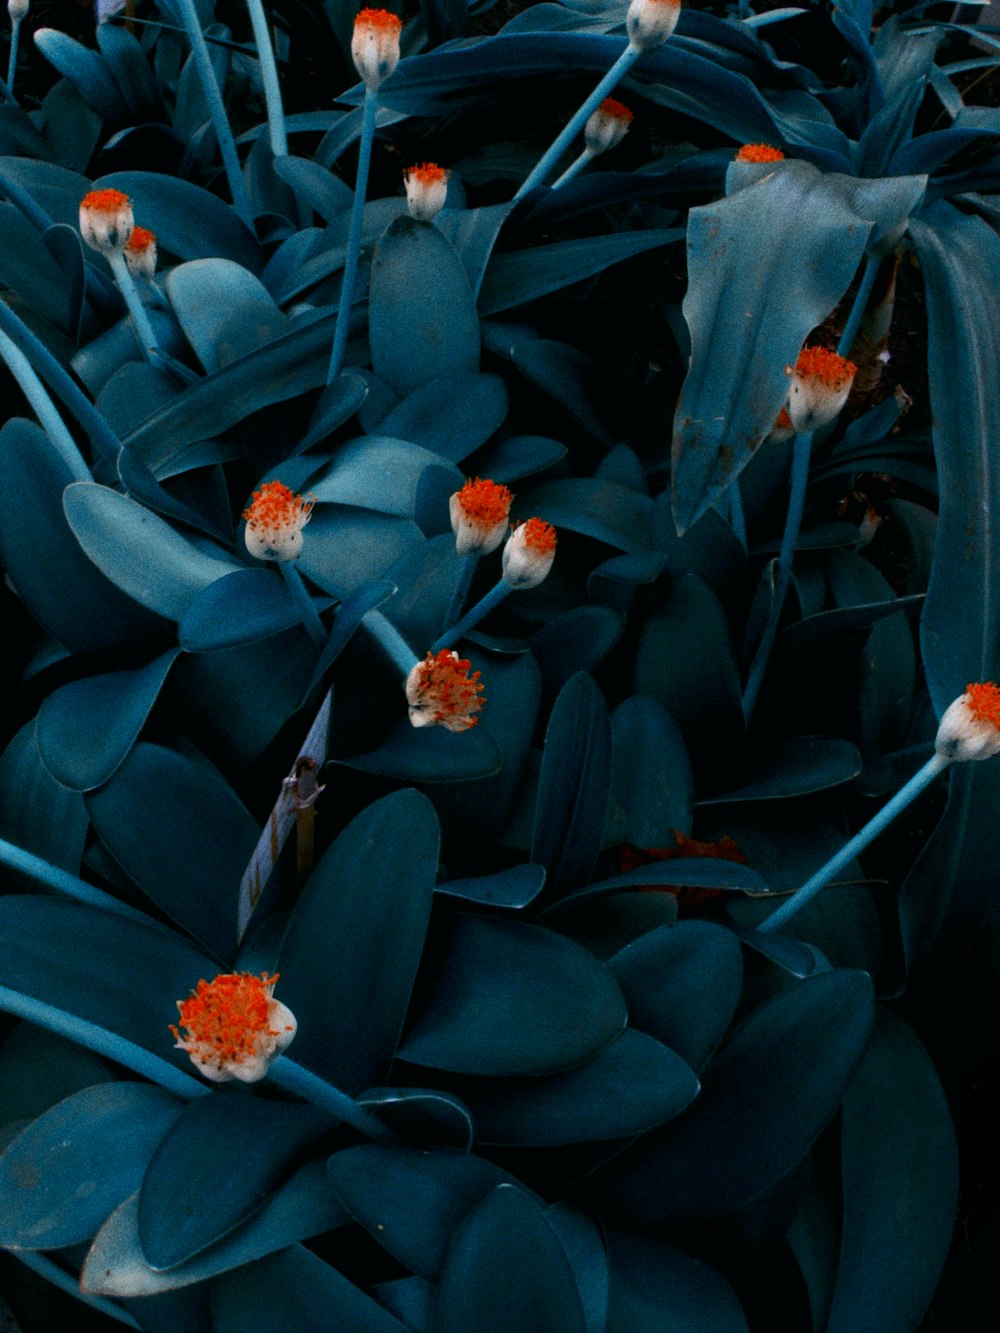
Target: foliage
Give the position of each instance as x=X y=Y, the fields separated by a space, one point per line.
x=580 y=1089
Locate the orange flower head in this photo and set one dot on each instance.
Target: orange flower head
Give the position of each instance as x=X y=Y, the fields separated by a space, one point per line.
x=529 y=553
x=479 y=516
x=759 y=152
x=440 y=691
x=820 y=384
x=607 y=126
x=233 y=1027
x=375 y=45
x=274 y=522
x=106 y=220
x=140 y=253
x=426 y=190
x=970 y=727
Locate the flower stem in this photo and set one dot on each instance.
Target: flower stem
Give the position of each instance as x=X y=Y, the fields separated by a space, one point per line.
x=307 y=608
x=368 y=112
x=737 y=520
x=140 y=319
x=574 y=168
x=217 y=111
x=576 y=123
x=44 y=408
x=53 y=877
x=311 y=1088
x=921 y=779
x=473 y=616
x=15 y=37
x=269 y=77
x=793 y=522
x=860 y=305
x=469 y=564
x=391 y=641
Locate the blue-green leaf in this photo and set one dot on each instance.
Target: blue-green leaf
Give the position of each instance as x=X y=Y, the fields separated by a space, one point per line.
x=682 y=985
x=186 y=846
x=87 y=70
x=574 y=786
x=652 y=788
x=368 y=901
x=451 y=415
x=125 y=59
x=139 y=552
x=900 y=1181
x=36 y=812
x=599 y=509
x=577 y=640
x=516 y=887
x=430 y=754
x=518 y=456
x=241 y=607
x=960 y=625
x=225 y=311
x=64 y=1173
x=505 y=1269
x=411 y=1200
x=419 y=1116
x=501 y=997
x=377 y=472
x=86 y=729
x=421 y=313
x=219 y=1163
x=795 y=768
x=779 y=1078
x=660 y=1289
x=316 y=187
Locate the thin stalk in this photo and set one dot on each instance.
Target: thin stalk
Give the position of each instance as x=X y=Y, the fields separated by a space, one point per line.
x=140 y=319
x=390 y=641
x=61 y=881
x=859 y=307
x=574 y=168
x=473 y=616
x=217 y=111
x=368 y=112
x=737 y=520
x=306 y=605
x=793 y=522
x=576 y=123
x=305 y=843
x=104 y=439
x=44 y=408
x=269 y=77
x=309 y=1086
x=921 y=779
x=469 y=563
x=15 y=38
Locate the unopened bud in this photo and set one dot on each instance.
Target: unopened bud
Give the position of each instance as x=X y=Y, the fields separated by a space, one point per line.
x=650 y=22
x=820 y=384
x=529 y=553
x=970 y=727
x=375 y=45
x=607 y=126
x=426 y=190
x=106 y=221
x=140 y=253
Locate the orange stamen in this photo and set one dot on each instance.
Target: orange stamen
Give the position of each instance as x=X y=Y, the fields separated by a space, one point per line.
x=822 y=364
x=105 y=201
x=619 y=110
x=225 y=1019
x=274 y=506
x=540 y=536
x=141 y=239
x=484 y=501
x=446 y=688
x=380 y=19
x=427 y=173
x=759 y=152
x=984 y=702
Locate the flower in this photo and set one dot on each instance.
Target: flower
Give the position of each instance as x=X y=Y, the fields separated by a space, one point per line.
x=479 y=516
x=233 y=1027
x=441 y=692
x=821 y=382
x=17 y=9
x=375 y=45
x=726 y=849
x=106 y=220
x=970 y=727
x=529 y=553
x=275 y=521
x=650 y=22
x=607 y=126
x=759 y=152
x=426 y=190
x=140 y=253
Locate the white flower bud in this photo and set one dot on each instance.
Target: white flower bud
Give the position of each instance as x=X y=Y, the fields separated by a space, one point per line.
x=375 y=45
x=106 y=221
x=529 y=553
x=607 y=126
x=140 y=253
x=820 y=384
x=17 y=9
x=970 y=727
x=479 y=516
x=274 y=522
x=650 y=22
x=426 y=190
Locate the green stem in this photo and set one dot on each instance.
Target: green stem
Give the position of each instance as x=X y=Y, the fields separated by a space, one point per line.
x=737 y=520
x=469 y=563
x=802 y=448
x=391 y=641
x=921 y=779
x=15 y=37
x=269 y=77
x=140 y=319
x=574 y=168
x=44 y=408
x=306 y=605
x=859 y=307
x=217 y=111
x=34 y=867
x=309 y=1086
x=368 y=112
x=473 y=616
x=573 y=127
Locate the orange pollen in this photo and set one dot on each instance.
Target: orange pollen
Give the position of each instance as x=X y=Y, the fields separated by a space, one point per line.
x=274 y=506
x=782 y=421
x=618 y=110
x=822 y=364
x=227 y=1017
x=540 y=536
x=984 y=703
x=379 y=19
x=485 y=502
x=426 y=173
x=141 y=239
x=105 y=201
x=759 y=152
x=449 y=689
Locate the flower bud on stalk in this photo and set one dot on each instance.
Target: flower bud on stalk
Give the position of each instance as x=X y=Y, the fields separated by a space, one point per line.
x=529 y=553
x=274 y=522
x=140 y=253
x=479 y=516
x=426 y=190
x=375 y=45
x=820 y=384
x=18 y=10
x=106 y=221
x=607 y=126
x=233 y=1028
x=650 y=22
x=970 y=727
x=759 y=152
x=441 y=692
